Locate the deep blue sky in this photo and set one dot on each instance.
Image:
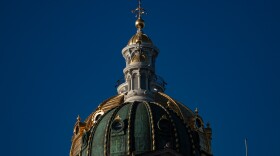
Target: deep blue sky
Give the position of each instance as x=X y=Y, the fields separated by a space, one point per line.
x=61 y=58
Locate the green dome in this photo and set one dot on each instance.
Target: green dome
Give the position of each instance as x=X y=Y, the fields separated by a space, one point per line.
x=163 y=127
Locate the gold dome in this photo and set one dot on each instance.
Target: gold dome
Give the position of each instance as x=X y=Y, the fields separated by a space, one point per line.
x=141 y=38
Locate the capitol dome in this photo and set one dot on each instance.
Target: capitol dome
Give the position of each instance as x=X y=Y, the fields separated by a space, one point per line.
x=141 y=120
x=162 y=127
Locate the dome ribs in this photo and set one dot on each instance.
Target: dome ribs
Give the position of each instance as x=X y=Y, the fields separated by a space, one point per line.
x=92 y=131
x=98 y=136
x=151 y=121
x=174 y=133
x=108 y=131
x=172 y=103
x=159 y=127
x=106 y=105
x=141 y=128
x=130 y=129
x=184 y=134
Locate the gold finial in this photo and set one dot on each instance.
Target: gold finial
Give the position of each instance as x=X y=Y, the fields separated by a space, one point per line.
x=196 y=111
x=139 y=11
x=78 y=118
x=118 y=118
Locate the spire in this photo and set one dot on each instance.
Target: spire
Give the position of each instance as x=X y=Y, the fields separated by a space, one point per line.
x=141 y=81
x=139 y=11
x=139 y=37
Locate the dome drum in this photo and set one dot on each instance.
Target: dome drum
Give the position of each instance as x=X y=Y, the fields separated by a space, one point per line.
x=157 y=85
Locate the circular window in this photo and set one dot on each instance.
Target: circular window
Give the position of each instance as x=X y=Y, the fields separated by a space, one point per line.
x=97 y=117
x=164 y=125
x=117 y=125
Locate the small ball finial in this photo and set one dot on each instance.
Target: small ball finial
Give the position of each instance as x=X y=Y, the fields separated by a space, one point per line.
x=139 y=23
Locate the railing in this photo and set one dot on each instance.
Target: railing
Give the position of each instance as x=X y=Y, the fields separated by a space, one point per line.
x=157 y=79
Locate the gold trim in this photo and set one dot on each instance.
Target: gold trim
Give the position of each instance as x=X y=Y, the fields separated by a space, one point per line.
x=152 y=125
x=108 y=130
x=128 y=130
x=105 y=106
x=178 y=110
